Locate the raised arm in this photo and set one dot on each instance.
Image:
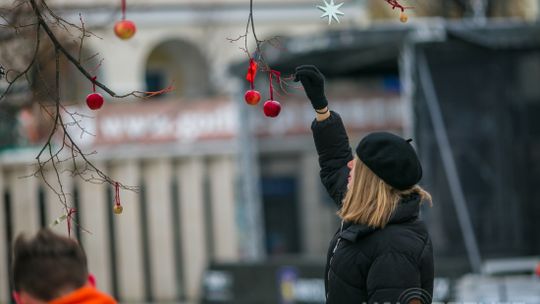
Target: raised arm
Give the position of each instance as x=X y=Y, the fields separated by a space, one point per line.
x=329 y=134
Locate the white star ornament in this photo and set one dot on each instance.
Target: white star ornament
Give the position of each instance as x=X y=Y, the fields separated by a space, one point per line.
x=331 y=11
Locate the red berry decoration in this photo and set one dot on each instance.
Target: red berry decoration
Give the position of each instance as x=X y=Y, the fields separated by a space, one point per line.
x=272 y=108
x=125 y=29
x=94 y=101
x=252 y=97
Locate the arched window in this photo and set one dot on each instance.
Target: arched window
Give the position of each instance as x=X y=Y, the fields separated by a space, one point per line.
x=181 y=63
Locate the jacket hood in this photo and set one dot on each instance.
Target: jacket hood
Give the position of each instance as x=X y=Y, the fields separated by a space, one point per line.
x=407 y=210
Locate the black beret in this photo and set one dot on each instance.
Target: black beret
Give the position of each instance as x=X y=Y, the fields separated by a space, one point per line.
x=391 y=158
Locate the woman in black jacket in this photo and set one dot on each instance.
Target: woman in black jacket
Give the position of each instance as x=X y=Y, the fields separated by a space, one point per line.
x=382 y=252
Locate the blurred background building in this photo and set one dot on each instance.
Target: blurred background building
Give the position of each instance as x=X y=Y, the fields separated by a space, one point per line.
x=222 y=185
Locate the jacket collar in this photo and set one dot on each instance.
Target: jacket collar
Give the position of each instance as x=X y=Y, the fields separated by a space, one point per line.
x=85 y=295
x=407 y=210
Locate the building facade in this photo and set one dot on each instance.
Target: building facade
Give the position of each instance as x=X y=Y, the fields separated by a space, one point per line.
x=186 y=150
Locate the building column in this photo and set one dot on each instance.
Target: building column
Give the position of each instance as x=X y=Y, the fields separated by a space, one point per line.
x=225 y=235
x=316 y=219
x=158 y=176
x=4 y=264
x=127 y=226
x=93 y=214
x=192 y=225
x=24 y=202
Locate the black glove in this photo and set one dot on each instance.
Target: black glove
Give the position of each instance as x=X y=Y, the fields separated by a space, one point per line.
x=313 y=81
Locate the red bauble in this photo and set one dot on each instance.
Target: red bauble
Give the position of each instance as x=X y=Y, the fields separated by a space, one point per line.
x=537 y=270
x=272 y=108
x=94 y=101
x=252 y=97
x=125 y=29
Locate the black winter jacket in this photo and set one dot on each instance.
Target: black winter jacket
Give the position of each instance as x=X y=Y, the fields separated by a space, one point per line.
x=367 y=265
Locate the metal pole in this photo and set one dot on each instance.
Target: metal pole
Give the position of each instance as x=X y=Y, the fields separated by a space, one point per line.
x=449 y=164
x=250 y=217
x=479 y=10
x=406 y=67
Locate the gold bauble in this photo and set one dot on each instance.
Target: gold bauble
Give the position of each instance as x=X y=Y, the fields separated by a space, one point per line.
x=118 y=209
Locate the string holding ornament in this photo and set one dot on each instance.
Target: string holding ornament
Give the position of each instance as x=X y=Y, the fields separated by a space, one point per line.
x=117 y=209
x=252 y=97
x=124 y=29
x=70 y=214
x=272 y=108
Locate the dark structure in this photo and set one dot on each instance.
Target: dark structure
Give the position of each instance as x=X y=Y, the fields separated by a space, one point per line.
x=474 y=92
x=485 y=81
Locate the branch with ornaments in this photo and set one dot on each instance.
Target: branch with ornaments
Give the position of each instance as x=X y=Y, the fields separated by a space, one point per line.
x=331 y=10
x=402 y=15
x=124 y=29
x=271 y=107
x=48 y=25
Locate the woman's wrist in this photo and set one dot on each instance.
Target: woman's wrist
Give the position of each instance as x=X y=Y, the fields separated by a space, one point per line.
x=322 y=114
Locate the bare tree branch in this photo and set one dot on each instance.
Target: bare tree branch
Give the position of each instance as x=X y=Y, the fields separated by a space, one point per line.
x=60 y=153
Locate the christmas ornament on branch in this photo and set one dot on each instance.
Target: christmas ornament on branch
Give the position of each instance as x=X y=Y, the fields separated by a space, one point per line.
x=272 y=107
x=94 y=100
x=124 y=29
x=256 y=63
x=117 y=209
x=396 y=4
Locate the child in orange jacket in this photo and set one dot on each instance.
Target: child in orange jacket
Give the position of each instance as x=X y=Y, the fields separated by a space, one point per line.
x=52 y=269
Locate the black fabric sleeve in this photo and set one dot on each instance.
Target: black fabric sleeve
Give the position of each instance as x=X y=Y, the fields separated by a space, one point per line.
x=394 y=278
x=332 y=145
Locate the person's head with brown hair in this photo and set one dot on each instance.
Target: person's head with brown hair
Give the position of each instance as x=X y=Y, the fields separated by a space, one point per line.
x=384 y=170
x=47 y=267
x=370 y=200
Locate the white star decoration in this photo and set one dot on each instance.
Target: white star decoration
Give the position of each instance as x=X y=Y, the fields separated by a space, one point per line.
x=331 y=11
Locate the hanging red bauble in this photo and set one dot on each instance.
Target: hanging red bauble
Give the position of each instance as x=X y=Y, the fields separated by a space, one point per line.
x=252 y=97
x=272 y=108
x=125 y=29
x=94 y=101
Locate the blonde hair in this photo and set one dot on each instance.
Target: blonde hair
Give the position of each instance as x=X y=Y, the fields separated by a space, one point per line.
x=370 y=201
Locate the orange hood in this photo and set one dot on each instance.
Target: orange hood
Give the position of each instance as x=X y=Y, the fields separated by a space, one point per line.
x=85 y=295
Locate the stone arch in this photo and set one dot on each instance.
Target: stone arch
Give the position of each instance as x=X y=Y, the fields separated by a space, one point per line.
x=181 y=62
